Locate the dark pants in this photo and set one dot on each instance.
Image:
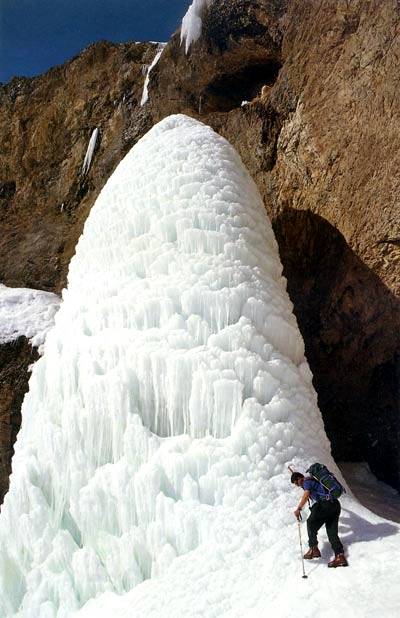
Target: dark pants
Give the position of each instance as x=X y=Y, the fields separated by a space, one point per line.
x=325 y=512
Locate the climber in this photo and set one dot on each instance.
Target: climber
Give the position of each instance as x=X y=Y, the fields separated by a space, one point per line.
x=324 y=510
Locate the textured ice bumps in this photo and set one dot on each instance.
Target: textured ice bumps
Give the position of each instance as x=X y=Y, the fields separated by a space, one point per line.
x=173 y=390
x=188 y=275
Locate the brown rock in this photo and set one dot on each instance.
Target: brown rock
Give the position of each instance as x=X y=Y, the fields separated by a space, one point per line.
x=45 y=126
x=15 y=359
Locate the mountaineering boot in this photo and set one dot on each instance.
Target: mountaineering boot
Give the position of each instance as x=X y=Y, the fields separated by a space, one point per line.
x=338 y=561
x=313 y=552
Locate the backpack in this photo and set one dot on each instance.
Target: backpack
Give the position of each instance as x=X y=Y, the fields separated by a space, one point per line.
x=332 y=487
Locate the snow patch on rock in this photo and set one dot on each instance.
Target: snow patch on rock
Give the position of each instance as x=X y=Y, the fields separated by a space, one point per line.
x=26 y=312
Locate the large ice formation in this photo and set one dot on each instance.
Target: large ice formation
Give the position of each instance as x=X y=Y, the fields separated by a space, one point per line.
x=171 y=396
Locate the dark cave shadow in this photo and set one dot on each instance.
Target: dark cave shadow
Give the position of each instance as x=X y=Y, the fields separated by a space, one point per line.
x=350 y=323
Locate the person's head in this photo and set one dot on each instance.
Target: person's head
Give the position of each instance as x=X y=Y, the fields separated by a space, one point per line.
x=297 y=478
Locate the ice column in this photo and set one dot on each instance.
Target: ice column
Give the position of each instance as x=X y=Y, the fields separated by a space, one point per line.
x=173 y=390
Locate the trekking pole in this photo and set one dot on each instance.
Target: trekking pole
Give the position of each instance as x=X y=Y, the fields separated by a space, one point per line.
x=304 y=576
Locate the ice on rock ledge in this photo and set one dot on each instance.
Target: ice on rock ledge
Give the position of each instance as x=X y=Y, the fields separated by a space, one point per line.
x=192 y=22
x=173 y=389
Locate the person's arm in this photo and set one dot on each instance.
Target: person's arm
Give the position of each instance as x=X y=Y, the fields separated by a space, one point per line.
x=304 y=498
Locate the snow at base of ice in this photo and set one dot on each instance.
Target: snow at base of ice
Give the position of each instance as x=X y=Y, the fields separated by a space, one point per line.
x=192 y=22
x=150 y=473
x=145 y=94
x=26 y=312
x=378 y=497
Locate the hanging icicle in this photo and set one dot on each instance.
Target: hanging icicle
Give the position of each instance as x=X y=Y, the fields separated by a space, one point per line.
x=145 y=95
x=90 y=151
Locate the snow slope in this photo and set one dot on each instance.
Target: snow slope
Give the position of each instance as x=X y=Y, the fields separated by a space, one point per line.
x=375 y=495
x=150 y=476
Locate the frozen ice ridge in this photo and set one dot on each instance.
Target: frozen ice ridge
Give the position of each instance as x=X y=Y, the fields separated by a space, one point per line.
x=149 y=475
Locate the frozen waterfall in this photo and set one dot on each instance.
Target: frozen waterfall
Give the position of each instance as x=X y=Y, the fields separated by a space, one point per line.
x=171 y=396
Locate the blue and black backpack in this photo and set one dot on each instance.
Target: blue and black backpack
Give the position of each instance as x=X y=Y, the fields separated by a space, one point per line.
x=329 y=482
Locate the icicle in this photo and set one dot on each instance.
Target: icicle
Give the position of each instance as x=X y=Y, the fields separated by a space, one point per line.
x=89 y=152
x=145 y=94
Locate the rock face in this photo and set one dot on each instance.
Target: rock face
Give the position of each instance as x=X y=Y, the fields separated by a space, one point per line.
x=15 y=359
x=318 y=132
x=45 y=126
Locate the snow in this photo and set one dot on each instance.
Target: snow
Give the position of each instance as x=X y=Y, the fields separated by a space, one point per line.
x=150 y=473
x=192 y=22
x=87 y=162
x=375 y=495
x=145 y=94
x=26 y=312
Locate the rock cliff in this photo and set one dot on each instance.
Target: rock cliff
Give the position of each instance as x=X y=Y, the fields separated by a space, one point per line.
x=306 y=91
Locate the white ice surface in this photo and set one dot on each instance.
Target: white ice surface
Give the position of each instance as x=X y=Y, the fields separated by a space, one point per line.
x=26 y=312
x=149 y=476
x=192 y=22
x=87 y=162
x=145 y=93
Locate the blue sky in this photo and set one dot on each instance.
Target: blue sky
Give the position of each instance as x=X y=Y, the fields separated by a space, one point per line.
x=37 y=34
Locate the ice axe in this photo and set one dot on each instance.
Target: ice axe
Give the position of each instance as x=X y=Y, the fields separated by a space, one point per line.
x=304 y=576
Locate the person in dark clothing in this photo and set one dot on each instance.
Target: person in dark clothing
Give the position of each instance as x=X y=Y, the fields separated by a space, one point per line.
x=324 y=510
